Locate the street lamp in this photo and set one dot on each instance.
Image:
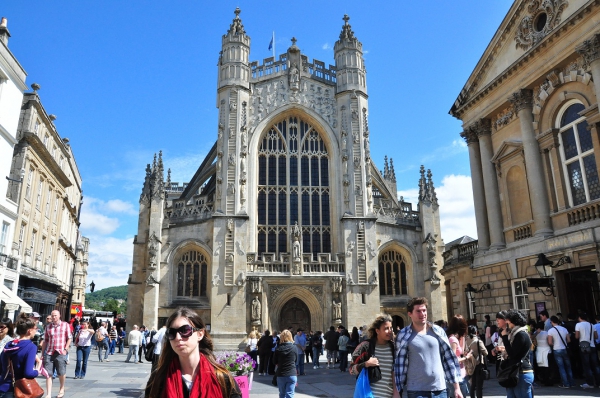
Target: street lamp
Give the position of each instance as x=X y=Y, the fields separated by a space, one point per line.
x=22 y=174
x=544 y=269
x=92 y=287
x=471 y=291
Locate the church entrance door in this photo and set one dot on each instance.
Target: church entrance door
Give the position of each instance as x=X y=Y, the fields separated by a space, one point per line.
x=295 y=314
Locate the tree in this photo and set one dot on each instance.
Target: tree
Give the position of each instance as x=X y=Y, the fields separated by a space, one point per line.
x=112 y=305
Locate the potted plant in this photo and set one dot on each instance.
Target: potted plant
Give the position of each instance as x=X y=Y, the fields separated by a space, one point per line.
x=241 y=365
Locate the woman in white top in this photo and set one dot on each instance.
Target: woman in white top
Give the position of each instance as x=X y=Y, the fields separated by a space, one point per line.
x=83 y=342
x=252 y=343
x=541 y=353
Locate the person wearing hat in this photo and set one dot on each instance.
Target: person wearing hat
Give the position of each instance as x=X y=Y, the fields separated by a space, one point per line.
x=300 y=343
x=36 y=320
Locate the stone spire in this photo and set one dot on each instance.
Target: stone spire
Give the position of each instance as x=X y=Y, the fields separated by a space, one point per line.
x=236 y=27
x=426 y=188
x=145 y=196
x=392 y=171
x=386 y=167
x=168 y=185
x=350 y=65
x=347 y=32
x=234 y=67
x=156 y=178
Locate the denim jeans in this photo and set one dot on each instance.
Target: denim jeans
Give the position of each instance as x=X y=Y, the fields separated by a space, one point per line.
x=523 y=388
x=300 y=364
x=564 y=367
x=287 y=385
x=133 y=349
x=103 y=345
x=121 y=346
x=427 y=394
x=83 y=354
x=464 y=389
x=343 y=360
x=112 y=345
x=316 y=352
x=589 y=362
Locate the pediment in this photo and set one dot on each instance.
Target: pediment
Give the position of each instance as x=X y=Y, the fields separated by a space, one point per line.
x=525 y=26
x=507 y=149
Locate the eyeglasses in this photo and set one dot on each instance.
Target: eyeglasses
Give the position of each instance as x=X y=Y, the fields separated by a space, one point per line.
x=184 y=331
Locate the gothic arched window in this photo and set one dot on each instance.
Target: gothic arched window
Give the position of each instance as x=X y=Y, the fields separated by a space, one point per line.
x=293 y=187
x=192 y=274
x=392 y=274
x=579 y=161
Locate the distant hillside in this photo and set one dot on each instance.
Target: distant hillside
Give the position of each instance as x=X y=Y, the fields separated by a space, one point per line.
x=107 y=299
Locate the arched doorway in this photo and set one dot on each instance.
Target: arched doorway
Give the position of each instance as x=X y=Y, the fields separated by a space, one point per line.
x=397 y=322
x=295 y=314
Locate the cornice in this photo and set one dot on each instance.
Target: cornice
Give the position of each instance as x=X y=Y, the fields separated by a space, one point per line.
x=468 y=97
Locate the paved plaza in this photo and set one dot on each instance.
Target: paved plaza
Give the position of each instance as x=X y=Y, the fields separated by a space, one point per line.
x=119 y=379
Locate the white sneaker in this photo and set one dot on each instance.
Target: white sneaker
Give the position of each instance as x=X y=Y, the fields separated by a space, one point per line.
x=314 y=367
x=586 y=385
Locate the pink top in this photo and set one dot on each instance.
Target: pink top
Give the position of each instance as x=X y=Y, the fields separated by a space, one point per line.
x=458 y=352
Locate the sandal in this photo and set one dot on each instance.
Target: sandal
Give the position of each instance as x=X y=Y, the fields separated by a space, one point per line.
x=60 y=394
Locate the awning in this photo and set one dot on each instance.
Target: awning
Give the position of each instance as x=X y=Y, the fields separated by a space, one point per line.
x=12 y=302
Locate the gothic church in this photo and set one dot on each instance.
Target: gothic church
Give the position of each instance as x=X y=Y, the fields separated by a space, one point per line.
x=287 y=222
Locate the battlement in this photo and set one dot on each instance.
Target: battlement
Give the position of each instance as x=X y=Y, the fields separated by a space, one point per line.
x=270 y=68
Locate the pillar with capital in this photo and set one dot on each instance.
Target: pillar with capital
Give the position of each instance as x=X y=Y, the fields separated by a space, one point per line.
x=483 y=232
x=590 y=50
x=522 y=102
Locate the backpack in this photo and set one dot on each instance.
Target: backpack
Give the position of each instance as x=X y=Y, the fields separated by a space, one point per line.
x=99 y=336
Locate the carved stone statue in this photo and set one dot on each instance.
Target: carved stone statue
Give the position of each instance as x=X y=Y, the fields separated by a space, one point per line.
x=349 y=280
x=216 y=280
x=294 y=76
x=296 y=230
x=337 y=310
x=336 y=285
x=296 y=249
x=350 y=248
x=256 y=309
x=373 y=278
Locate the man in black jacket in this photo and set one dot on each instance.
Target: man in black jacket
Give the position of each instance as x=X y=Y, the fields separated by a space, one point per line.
x=331 y=339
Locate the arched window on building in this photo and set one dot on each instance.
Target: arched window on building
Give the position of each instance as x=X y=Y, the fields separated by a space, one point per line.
x=293 y=187
x=579 y=161
x=192 y=274
x=392 y=274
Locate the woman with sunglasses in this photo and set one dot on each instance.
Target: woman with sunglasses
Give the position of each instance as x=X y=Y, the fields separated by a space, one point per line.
x=187 y=367
x=6 y=332
x=21 y=354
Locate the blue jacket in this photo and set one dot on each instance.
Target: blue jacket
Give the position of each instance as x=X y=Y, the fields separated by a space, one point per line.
x=22 y=354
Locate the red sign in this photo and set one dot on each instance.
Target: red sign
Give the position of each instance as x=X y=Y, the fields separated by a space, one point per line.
x=76 y=309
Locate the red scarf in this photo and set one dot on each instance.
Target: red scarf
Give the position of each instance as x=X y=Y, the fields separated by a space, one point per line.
x=205 y=384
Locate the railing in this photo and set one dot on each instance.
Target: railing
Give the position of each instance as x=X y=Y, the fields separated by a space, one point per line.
x=522 y=232
x=273 y=263
x=317 y=68
x=460 y=253
x=385 y=210
x=584 y=213
x=199 y=209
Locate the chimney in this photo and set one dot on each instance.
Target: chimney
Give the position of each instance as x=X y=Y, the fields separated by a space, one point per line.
x=4 y=33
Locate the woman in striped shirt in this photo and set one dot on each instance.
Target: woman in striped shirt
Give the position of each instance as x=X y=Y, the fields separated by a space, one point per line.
x=377 y=353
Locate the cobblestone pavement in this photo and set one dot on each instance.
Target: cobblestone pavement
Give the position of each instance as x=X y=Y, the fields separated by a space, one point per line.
x=119 y=379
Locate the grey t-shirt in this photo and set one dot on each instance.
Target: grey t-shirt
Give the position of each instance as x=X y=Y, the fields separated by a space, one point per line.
x=425 y=371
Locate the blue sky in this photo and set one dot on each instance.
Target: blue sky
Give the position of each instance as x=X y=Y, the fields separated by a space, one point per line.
x=129 y=78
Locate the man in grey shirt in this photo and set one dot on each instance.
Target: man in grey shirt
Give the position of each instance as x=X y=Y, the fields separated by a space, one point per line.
x=432 y=360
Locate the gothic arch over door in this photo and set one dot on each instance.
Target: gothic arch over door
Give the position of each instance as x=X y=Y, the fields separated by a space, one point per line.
x=295 y=314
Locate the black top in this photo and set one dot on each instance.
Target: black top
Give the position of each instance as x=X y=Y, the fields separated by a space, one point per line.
x=331 y=340
x=317 y=342
x=285 y=359
x=518 y=350
x=264 y=345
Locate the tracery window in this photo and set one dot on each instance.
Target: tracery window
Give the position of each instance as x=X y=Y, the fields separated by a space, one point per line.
x=192 y=274
x=392 y=274
x=579 y=161
x=293 y=187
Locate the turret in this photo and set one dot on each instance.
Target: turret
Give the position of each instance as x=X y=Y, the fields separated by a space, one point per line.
x=349 y=61
x=234 y=67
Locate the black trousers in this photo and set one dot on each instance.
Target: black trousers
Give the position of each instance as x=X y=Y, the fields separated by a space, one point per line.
x=477 y=381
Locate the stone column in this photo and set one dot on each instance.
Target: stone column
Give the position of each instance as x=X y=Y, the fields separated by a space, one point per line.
x=522 y=101
x=483 y=232
x=590 y=50
x=483 y=129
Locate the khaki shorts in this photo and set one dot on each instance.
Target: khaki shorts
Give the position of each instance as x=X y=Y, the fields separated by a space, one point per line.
x=55 y=361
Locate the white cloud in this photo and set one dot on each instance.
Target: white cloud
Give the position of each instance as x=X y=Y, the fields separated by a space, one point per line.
x=457 y=214
x=120 y=206
x=97 y=215
x=410 y=195
x=326 y=46
x=110 y=261
x=454 y=148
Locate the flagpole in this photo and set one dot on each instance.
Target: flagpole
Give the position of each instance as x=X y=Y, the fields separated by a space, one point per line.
x=273 y=46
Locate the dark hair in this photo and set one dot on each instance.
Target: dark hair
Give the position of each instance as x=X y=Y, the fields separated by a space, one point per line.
x=457 y=326
x=582 y=315
x=544 y=313
x=331 y=327
x=501 y=315
x=157 y=378
x=380 y=320
x=516 y=318
x=23 y=324
x=9 y=326
x=416 y=301
x=539 y=325
x=354 y=336
x=554 y=319
x=267 y=333
x=472 y=331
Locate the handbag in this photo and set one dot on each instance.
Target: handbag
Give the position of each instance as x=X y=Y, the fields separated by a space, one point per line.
x=508 y=376
x=472 y=361
x=363 y=387
x=585 y=346
x=25 y=388
x=248 y=349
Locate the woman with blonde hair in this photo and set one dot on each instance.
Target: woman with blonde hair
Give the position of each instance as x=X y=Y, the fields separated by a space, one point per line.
x=377 y=353
x=187 y=366
x=285 y=358
x=253 y=344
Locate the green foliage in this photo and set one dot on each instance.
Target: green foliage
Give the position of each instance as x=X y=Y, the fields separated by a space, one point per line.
x=107 y=299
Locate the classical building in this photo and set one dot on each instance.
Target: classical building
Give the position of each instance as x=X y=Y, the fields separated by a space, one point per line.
x=12 y=86
x=287 y=222
x=50 y=199
x=530 y=118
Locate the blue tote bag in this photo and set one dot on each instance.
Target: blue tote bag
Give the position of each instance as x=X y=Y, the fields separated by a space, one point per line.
x=363 y=388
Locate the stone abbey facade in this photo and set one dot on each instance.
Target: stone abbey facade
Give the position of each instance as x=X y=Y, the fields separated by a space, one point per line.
x=287 y=222
x=531 y=121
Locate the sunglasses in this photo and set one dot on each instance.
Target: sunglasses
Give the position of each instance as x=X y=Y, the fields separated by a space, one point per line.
x=3 y=327
x=184 y=331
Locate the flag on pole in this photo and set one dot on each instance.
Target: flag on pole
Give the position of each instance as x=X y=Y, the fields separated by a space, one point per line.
x=271 y=44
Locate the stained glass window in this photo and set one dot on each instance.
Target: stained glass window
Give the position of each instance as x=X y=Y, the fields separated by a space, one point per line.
x=392 y=274
x=293 y=179
x=578 y=156
x=192 y=274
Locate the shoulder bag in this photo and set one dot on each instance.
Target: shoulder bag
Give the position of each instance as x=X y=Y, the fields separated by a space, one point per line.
x=508 y=376
x=25 y=388
x=363 y=386
x=472 y=361
x=585 y=346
